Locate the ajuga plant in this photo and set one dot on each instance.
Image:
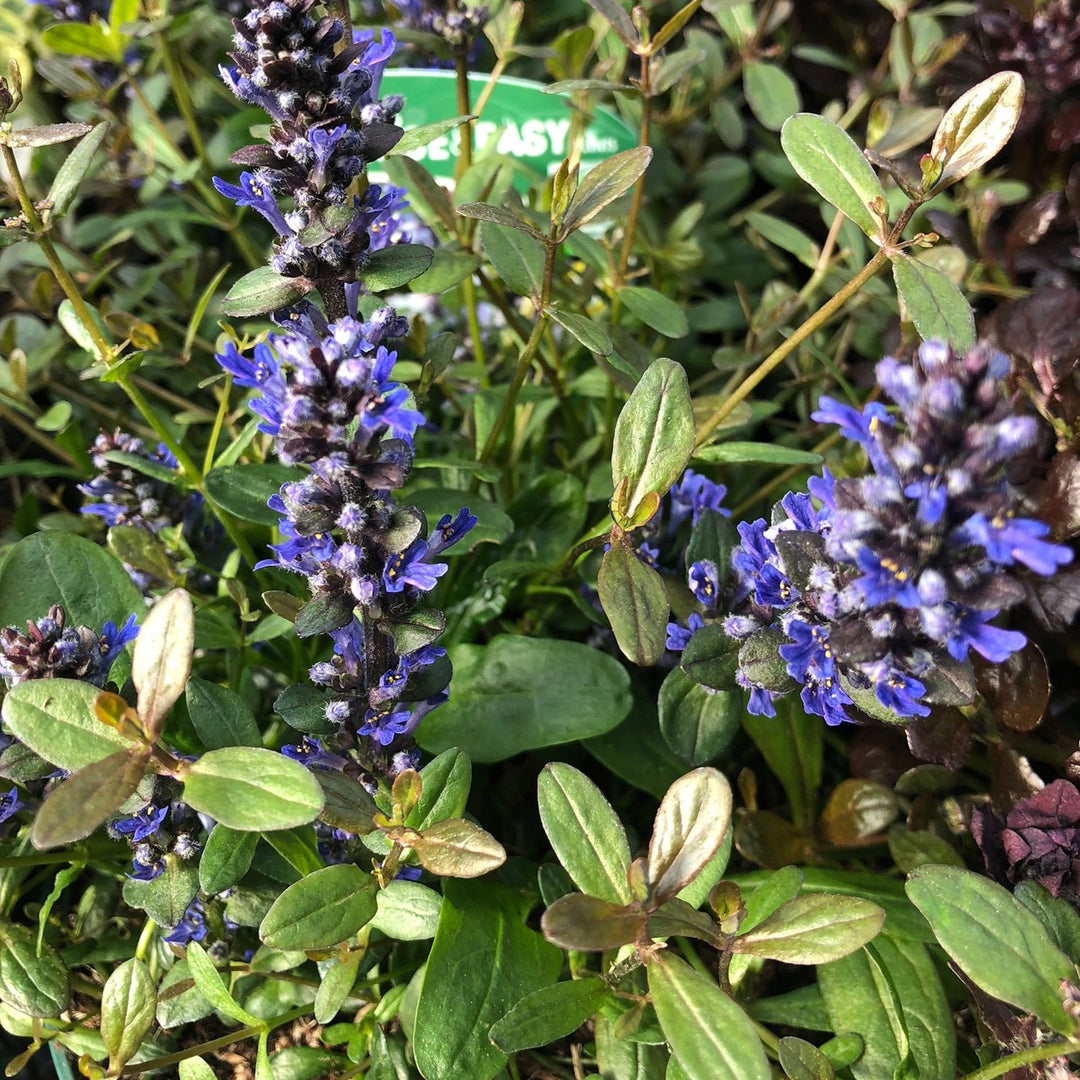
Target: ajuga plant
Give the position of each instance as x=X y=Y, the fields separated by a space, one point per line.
x=877 y=597
x=257 y=820
x=324 y=388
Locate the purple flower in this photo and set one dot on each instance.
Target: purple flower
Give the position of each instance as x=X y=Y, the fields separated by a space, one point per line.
x=408 y=568
x=10 y=804
x=693 y=495
x=678 y=637
x=252 y=193
x=143 y=824
x=1009 y=540
x=449 y=531
x=192 y=927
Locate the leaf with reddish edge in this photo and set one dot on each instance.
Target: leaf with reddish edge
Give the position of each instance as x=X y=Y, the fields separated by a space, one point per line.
x=589 y=924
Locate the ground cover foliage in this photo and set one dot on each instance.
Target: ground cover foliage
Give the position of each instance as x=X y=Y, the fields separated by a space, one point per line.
x=472 y=614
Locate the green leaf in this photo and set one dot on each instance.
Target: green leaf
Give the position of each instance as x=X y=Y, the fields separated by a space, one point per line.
x=303 y=707
x=910 y=848
x=220 y=716
x=697 y=724
x=977 y=125
x=394 y=266
x=55 y=718
x=709 y=1034
x=457 y=848
x=616 y=17
x=590 y=333
x=243 y=490
x=602 y=185
x=518 y=258
x=934 y=304
x=298 y=847
x=446 y=782
x=856 y=811
x=261 y=291
x=138 y=548
x=498 y=214
x=711 y=658
x=801 y=1060
x=690 y=825
x=212 y=986
x=76 y=165
x=226 y=858
x=416 y=137
x=994 y=939
x=549 y=1014
x=589 y=924
x=855 y=1003
x=656 y=310
x=79 y=39
x=76 y=807
x=654 y=435
x=348 y=805
x=518 y=693
x=337 y=982
x=826 y=157
x=483 y=961
x=321 y=910
x=165 y=898
x=161 y=662
x=635 y=601
x=127 y=1011
x=179 y=1000
x=195 y=1069
x=1055 y=913
x=73 y=325
x=739 y=453
x=408 y=911
x=447 y=269
x=771 y=93
x=785 y=236
x=585 y=832
x=61 y=568
x=323 y=614
x=813 y=929
x=252 y=790
x=35 y=984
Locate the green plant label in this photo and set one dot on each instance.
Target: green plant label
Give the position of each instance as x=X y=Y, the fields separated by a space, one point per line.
x=529 y=126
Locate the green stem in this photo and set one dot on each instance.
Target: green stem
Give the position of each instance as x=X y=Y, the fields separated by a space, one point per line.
x=217 y=1044
x=461 y=70
x=523 y=365
x=1024 y=1057
x=219 y=421
x=639 y=188
x=778 y=355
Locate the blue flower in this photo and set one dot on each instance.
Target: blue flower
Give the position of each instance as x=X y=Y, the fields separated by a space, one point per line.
x=704 y=581
x=678 y=637
x=10 y=804
x=1009 y=540
x=192 y=927
x=693 y=495
x=884 y=581
x=449 y=531
x=143 y=824
x=809 y=652
x=112 y=640
x=409 y=568
x=252 y=193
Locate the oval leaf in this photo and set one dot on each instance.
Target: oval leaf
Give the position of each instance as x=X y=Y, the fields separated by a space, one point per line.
x=603 y=185
x=226 y=858
x=697 y=724
x=656 y=310
x=934 y=304
x=75 y=808
x=394 y=266
x=709 y=1034
x=826 y=157
x=35 y=983
x=262 y=290
x=252 y=790
x=56 y=719
x=977 y=125
x=654 y=435
x=244 y=489
x=690 y=826
x=161 y=663
x=76 y=165
x=457 y=848
x=589 y=332
x=518 y=258
x=548 y=1014
x=994 y=940
x=813 y=929
x=585 y=832
x=127 y=1011
x=321 y=910
x=636 y=603
x=589 y=924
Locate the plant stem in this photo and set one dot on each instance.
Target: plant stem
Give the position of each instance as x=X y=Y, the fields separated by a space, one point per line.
x=217 y=1044
x=461 y=70
x=639 y=188
x=1024 y=1057
x=778 y=355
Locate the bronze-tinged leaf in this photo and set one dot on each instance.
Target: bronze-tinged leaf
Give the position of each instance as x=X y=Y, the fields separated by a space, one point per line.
x=767 y=839
x=943 y=737
x=1018 y=689
x=456 y=848
x=857 y=812
x=1054 y=601
x=86 y=798
x=589 y=924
